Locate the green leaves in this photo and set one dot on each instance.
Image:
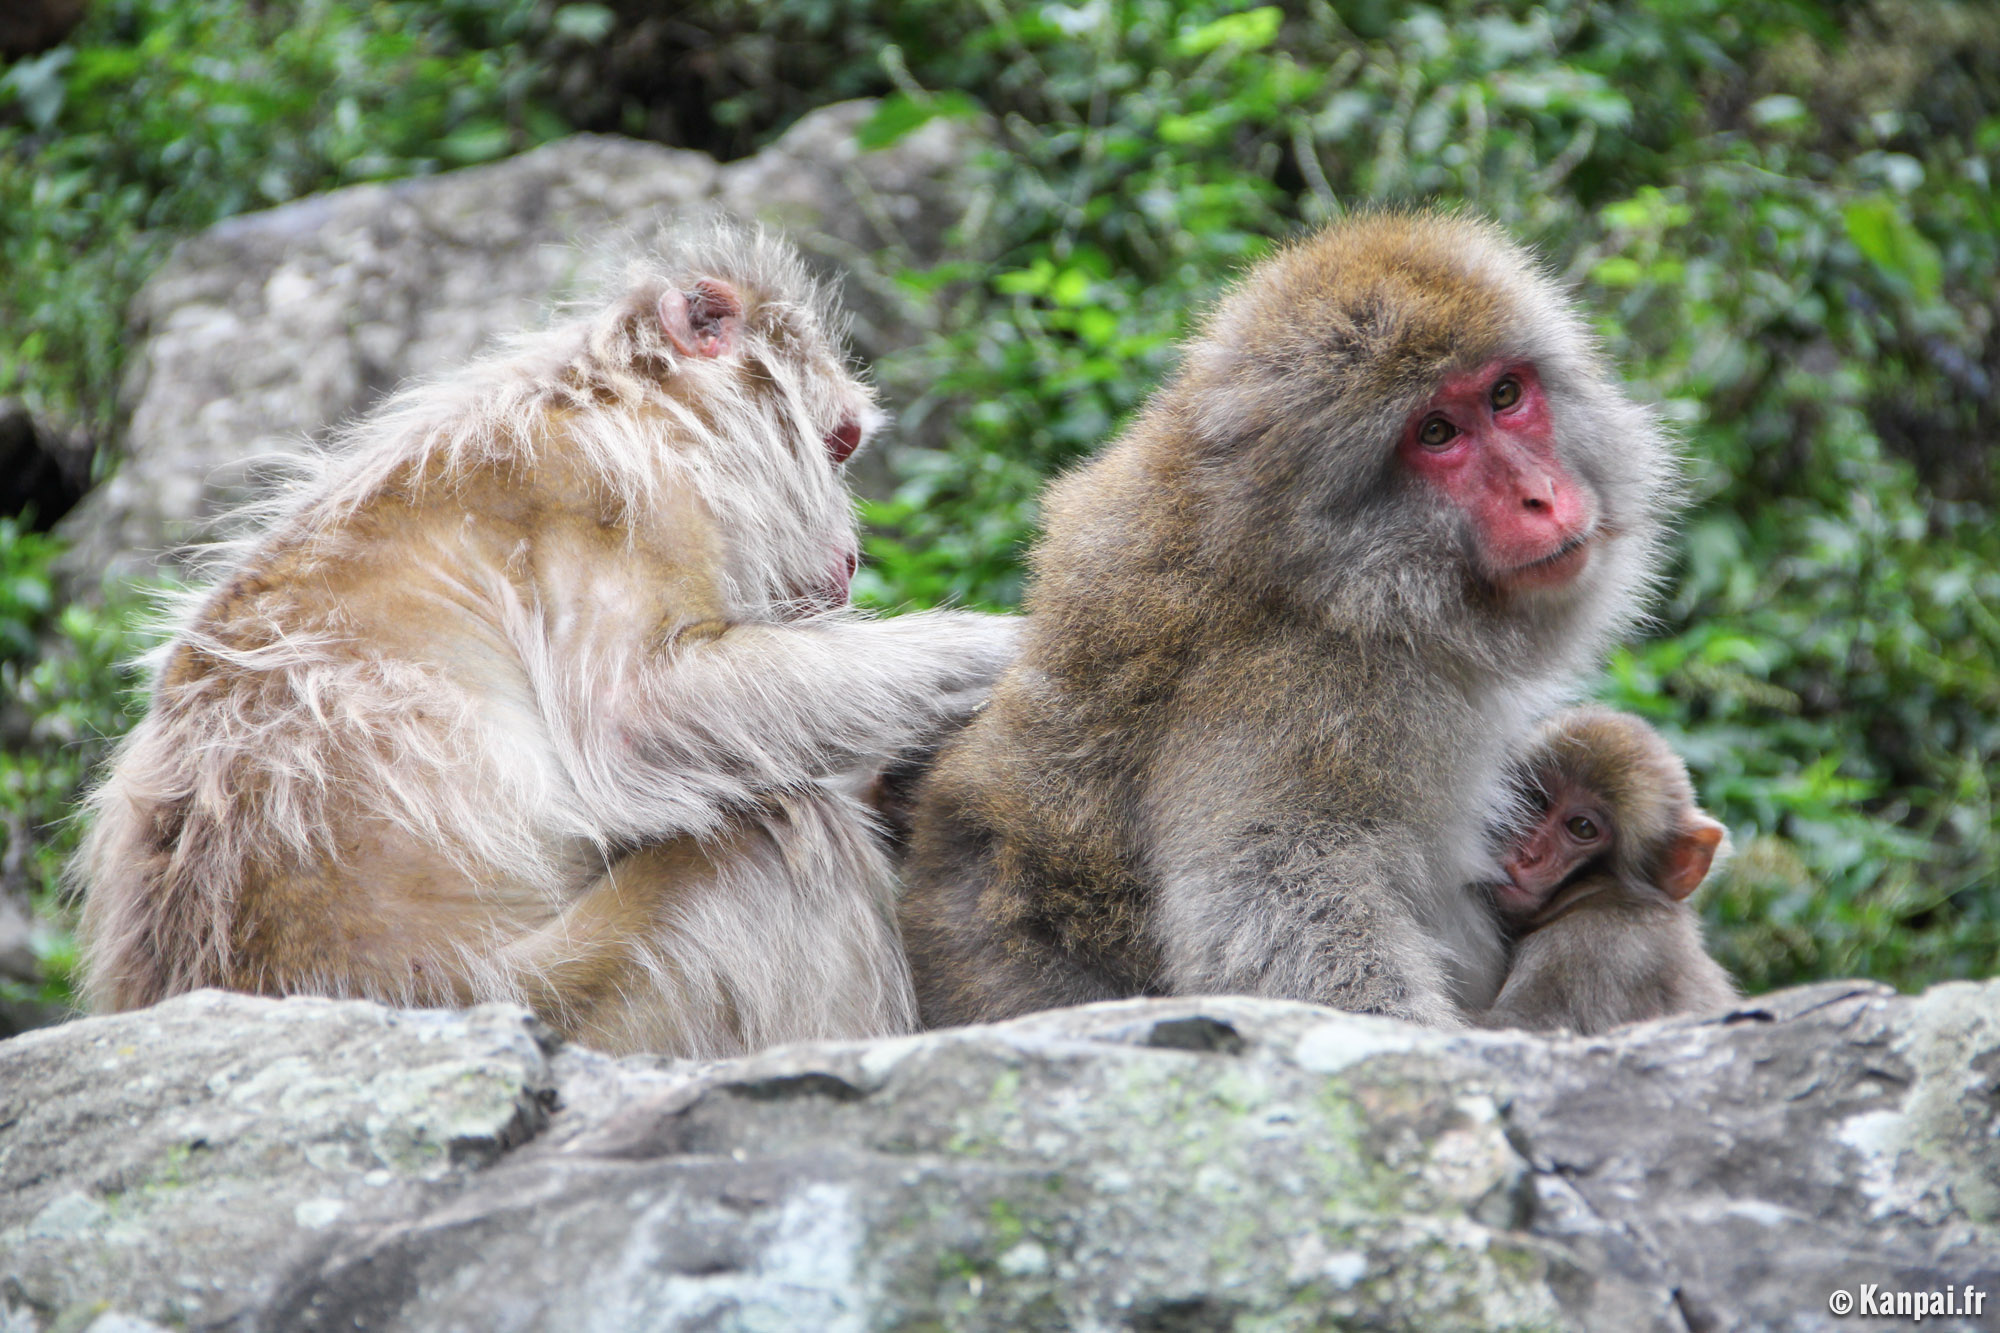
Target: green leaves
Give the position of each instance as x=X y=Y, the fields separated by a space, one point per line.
x=588 y=24
x=1884 y=235
x=900 y=114
x=1251 y=30
x=37 y=86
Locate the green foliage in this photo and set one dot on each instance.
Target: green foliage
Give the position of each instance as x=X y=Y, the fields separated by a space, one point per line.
x=71 y=683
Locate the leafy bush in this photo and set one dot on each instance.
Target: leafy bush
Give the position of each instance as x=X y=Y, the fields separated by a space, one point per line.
x=70 y=681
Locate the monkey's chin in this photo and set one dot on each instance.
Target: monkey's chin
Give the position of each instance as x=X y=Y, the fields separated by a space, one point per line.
x=832 y=592
x=1513 y=900
x=1556 y=570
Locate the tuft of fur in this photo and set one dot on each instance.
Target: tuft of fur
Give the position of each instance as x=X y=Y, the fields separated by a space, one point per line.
x=530 y=687
x=1264 y=715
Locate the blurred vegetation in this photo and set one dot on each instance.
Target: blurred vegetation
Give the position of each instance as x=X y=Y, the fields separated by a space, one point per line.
x=1782 y=210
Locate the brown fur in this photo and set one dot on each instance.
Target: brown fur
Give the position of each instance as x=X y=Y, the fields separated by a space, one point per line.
x=532 y=690
x=1610 y=947
x=1264 y=706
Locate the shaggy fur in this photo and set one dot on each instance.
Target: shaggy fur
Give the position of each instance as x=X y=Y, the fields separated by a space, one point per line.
x=539 y=685
x=1609 y=946
x=1265 y=708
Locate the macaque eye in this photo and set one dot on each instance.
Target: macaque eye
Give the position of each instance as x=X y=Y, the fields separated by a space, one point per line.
x=842 y=441
x=1436 y=433
x=1582 y=828
x=1506 y=393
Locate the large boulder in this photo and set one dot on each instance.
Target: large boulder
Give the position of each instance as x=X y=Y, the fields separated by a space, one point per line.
x=274 y=327
x=234 y=1163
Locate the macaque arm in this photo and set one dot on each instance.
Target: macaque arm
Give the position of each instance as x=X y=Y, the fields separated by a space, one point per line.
x=1285 y=916
x=589 y=947
x=1625 y=956
x=1553 y=980
x=724 y=714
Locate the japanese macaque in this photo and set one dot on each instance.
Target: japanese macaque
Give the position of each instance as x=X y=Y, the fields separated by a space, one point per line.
x=542 y=685
x=1597 y=887
x=1285 y=635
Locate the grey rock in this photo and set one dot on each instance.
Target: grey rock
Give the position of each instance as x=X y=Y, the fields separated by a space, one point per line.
x=273 y=328
x=1148 y=1165
x=156 y=1162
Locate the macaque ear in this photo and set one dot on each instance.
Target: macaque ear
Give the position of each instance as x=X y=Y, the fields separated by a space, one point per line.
x=1689 y=857
x=706 y=321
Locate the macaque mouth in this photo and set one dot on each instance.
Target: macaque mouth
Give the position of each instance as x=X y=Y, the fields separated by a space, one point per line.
x=834 y=592
x=1553 y=570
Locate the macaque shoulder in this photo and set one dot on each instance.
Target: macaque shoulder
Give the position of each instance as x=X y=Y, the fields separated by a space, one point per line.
x=426 y=562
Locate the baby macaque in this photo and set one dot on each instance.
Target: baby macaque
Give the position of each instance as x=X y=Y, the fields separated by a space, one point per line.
x=543 y=685
x=1597 y=887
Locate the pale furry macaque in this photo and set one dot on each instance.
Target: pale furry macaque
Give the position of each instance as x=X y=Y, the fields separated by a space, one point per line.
x=1597 y=886
x=542 y=685
x=1285 y=635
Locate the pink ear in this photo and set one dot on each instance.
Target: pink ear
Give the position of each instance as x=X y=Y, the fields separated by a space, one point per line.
x=1690 y=856
x=705 y=322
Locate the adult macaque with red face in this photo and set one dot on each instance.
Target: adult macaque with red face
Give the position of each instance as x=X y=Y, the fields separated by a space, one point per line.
x=1596 y=887
x=543 y=686
x=1287 y=635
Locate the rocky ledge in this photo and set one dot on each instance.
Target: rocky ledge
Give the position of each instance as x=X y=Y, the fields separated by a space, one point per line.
x=223 y=1162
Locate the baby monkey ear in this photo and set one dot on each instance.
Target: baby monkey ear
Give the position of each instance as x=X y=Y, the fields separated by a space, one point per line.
x=1690 y=855
x=706 y=321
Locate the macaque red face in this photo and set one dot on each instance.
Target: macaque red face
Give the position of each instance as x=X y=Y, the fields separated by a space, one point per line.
x=1486 y=441
x=1573 y=829
x=1672 y=850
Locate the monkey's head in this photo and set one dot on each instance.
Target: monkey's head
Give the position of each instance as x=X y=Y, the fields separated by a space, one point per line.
x=740 y=352
x=1607 y=792
x=1402 y=420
